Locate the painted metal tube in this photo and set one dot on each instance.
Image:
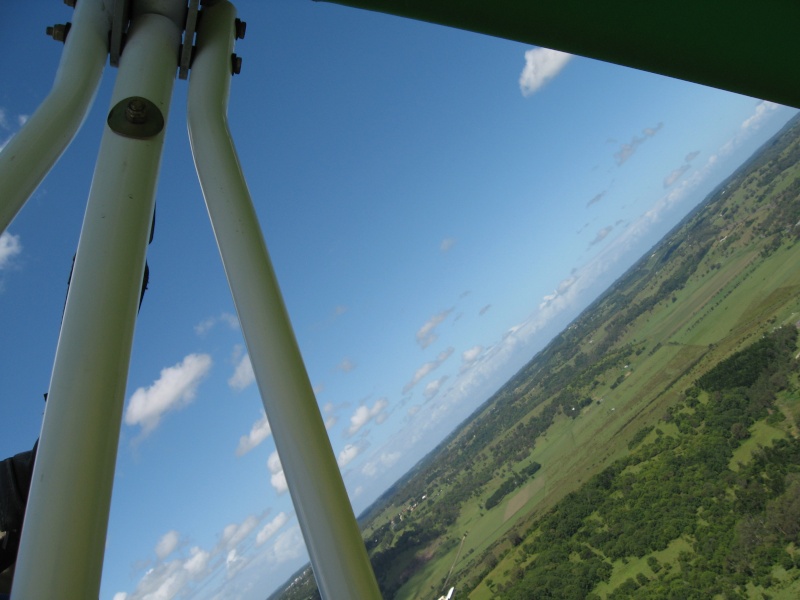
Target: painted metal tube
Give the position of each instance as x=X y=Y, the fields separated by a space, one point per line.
x=31 y=153
x=63 y=538
x=334 y=543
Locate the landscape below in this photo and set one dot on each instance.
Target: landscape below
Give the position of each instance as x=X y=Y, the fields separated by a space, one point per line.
x=651 y=450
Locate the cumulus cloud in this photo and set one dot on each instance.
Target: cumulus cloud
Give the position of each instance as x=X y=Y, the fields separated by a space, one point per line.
x=207 y=324
x=184 y=576
x=277 y=478
x=427 y=368
x=676 y=174
x=433 y=387
x=171 y=579
x=446 y=244
x=348 y=453
x=288 y=546
x=382 y=462
x=258 y=433
x=243 y=376
x=541 y=65
x=174 y=389
x=470 y=355
x=426 y=334
x=365 y=414
x=235 y=533
x=167 y=544
x=10 y=246
x=271 y=528
x=197 y=562
x=763 y=110
x=628 y=150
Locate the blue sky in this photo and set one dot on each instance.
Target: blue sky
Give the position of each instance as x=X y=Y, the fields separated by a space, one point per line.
x=437 y=204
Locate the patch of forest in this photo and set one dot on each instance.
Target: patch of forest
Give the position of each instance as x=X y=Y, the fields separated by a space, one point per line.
x=739 y=525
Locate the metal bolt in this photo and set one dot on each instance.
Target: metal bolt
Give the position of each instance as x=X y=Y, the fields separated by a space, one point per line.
x=136 y=111
x=241 y=28
x=59 y=32
x=236 y=64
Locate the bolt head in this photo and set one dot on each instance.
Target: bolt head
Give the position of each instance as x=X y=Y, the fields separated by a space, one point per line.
x=136 y=111
x=236 y=64
x=241 y=28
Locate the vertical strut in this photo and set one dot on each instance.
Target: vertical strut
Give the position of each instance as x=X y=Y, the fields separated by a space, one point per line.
x=334 y=543
x=63 y=539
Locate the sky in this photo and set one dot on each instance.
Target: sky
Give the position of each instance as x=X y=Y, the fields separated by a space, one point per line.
x=438 y=205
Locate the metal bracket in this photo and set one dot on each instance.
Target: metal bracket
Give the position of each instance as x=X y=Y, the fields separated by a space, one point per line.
x=188 y=39
x=120 y=18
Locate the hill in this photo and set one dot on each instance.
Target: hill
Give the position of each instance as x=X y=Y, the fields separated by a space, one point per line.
x=650 y=449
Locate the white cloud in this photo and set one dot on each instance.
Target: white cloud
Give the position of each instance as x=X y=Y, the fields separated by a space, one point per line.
x=120 y=596
x=763 y=110
x=167 y=544
x=470 y=355
x=348 y=453
x=601 y=235
x=381 y=462
x=364 y=415
x=427 y=333
x=234 y=534
x=163 y=582
x=288 y=545
x=433 y=387
x=175 y=388
x=207 y=324
x=427 y=368
x=233 y=563
x=197 y=563
x=541 y=65
x=278 y=478
x=271 y=528
x=243 y=376
x=10 y=246
x=676 y=174
x=628 y=150
x=258 y=433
